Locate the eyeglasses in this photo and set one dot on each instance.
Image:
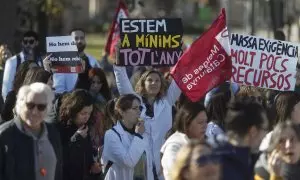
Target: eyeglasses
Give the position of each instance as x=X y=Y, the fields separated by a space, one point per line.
x=31 y=41
x=138 y=108
x=40 y=107
x=208 y=159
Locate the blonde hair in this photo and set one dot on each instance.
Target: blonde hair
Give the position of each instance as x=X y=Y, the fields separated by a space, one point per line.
x=183 y=159
x=140 y=85
x=37 y=88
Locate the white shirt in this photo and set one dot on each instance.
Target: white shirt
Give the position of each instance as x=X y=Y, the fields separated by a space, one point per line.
x=170 y=149
x=157 y=126
x=124 y=154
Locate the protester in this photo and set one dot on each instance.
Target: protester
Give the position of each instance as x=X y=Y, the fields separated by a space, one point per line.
x=157 y=102
x=190 y=123
x=29 y=51
x=31 y=148
x=4 y=55
x=286 y=107
x=246 y=124
x=283 y=155
x=196 y=161
x=126 y=143
x=66 y=82
x=9 y=104
x=99 y=88
x=38 y=74
x=216 y=111
x=75 y=113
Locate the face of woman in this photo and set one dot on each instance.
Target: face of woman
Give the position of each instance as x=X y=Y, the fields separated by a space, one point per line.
x=289 y=146
x=96 y=84
x=83 y=116
x=153 y=84
x=131 y=115
x=204 y=165
x=295 y=116
x=34 y=110
x=197 y=128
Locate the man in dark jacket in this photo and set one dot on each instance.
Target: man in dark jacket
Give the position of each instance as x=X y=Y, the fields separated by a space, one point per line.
x=246 y=124
x=30 y=149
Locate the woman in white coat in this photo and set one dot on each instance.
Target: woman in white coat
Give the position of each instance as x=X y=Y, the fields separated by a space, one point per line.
x=126 y=146
x=190 y=123
x=157 y=101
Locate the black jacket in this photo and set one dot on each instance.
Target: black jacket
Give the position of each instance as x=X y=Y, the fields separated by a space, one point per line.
x=78 y=154
x=237 y=162
x=17 y=153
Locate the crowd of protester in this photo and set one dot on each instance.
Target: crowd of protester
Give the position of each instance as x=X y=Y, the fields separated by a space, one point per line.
x=138 y=124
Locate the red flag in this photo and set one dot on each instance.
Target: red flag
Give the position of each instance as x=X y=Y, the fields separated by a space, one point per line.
x=113 y=36
x=207 y=63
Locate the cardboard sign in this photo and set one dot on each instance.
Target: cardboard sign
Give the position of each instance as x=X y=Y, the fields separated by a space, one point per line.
x=207 y=63
x=154 y=42
x=263 y=62
x=64 y=58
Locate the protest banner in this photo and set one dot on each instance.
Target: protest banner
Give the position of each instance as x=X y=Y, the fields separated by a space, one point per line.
x=263 y=62
x=113 y=35
x=64 y=54
x=155 y=42
x=207 y=63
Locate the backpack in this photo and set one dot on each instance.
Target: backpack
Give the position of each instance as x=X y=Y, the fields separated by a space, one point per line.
x=18 y=61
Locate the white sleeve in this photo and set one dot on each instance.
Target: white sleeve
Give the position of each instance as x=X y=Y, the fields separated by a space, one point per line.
x=123 y=83
x=169 y=157
x=173 y=93
x=8 y=76
x=118 y=154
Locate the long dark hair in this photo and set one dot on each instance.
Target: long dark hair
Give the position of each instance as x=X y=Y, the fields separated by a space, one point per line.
x=72 y=104
x=217 y=108
x=184 y=117
x=21 y=73
x=36 y=74
x=104 y=91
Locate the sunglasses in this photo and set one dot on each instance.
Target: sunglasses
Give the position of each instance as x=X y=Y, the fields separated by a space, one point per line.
x=28 y=41
x=208 y=159
x=40 y=107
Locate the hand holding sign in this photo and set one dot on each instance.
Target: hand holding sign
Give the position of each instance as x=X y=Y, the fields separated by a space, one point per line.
x=64 y=55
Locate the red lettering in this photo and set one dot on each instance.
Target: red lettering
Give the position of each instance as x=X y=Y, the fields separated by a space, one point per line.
x=265 y=77
x=288 y=82
x=277 y=58
x=263 y=58
x=280 y=81
x=247 y=75
x=270 y=62
x=241 y=57
x=283 y=65
x=257 y=77
x=240 y=76
x=252 y=53
x=234 y=55
x=273 y=81
x=234 y=73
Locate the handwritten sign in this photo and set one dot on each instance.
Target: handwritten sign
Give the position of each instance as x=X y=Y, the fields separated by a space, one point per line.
x=263 y=62
x=64 y=58
x=155 y=42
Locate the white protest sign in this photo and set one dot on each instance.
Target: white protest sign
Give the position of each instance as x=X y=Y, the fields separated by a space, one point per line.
x=263 y=62
x=64 y=56
x=61 y=44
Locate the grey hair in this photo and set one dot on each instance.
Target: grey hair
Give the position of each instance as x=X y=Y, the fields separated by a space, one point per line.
x=37 y=88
